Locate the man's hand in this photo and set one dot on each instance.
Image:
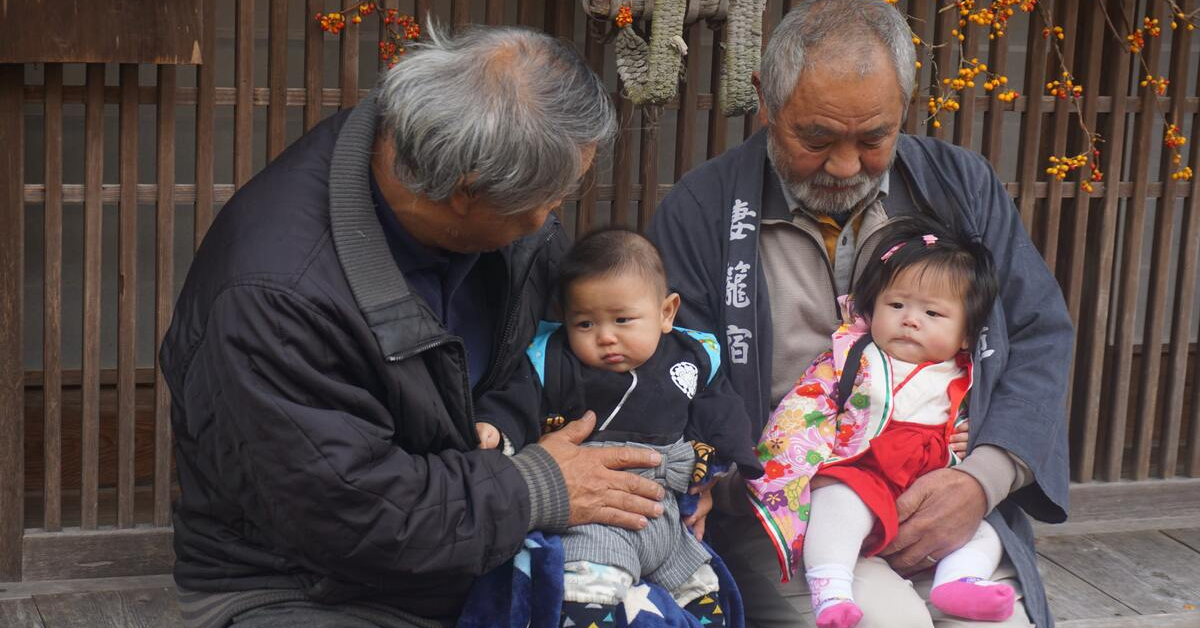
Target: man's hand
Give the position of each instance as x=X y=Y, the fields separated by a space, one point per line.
x=938 y=514
x=695 y=521
x=597 y=492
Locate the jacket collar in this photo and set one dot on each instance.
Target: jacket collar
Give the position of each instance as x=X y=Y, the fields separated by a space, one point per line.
x=402 y=323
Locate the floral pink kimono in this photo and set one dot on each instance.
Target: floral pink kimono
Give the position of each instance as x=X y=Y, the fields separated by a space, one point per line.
x=806 y=436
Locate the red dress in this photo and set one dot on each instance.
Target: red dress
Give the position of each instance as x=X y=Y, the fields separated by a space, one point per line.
x=899 y=455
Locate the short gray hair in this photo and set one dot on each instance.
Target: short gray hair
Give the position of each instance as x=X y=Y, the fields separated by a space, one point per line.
x=504 y=112
x=853 y=27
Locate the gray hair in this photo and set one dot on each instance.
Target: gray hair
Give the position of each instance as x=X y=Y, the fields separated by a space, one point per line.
x=503 y=112
x=852 y=29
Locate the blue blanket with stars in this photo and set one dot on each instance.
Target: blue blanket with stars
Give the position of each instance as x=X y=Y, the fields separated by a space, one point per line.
x=528 y=591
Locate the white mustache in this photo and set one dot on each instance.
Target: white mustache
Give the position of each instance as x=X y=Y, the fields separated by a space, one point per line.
x=827 y=181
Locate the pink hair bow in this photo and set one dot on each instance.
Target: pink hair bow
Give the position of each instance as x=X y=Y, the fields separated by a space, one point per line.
x=890 y=252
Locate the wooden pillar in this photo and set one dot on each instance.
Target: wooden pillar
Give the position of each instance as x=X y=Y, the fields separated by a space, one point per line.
x=12 y=272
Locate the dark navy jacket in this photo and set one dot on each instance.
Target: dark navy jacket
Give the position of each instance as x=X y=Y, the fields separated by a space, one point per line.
x=327 y=446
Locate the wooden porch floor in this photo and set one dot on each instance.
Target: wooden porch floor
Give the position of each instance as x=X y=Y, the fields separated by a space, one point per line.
x=1129 y=558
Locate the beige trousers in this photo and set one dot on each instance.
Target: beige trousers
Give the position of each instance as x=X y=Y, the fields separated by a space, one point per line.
x=887 y=600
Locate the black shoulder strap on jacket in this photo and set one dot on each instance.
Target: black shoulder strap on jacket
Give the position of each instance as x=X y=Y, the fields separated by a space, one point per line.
x=845 y=385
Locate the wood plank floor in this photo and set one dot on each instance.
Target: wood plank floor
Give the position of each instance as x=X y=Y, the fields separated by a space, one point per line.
x=1129 y=558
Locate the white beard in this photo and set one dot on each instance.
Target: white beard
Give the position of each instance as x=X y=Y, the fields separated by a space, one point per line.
x=814 y=193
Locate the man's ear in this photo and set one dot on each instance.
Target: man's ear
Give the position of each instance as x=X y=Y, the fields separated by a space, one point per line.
x=670 y=307
x=762 y=104
x=460 y=201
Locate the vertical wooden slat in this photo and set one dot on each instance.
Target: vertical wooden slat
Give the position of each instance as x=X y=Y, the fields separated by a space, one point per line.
x=127 y=294
x=526 y=13
x=685 y=128
x=560 y=19
x=993 y=118
x=206 y=88
x=243 y=107
x=12 y=273
x=921 y=19
x=348 y=67
x=1029 y=161
x=1160 y=267
x=1067 y=14
x=594 y=53
x=1083 y=433
x=1131 y=263
x=1185 y=292
x=964 y=118
x=717 y=124
x=494 y=12
x=277 y=79
x=1183 y=307
x=314 y=41
x=623 y=163
x=460 y=12
x=648 y=165
x=93 y=216
x=424 y=7
x=944 y=22
x=52 y=250
x=1104 y=248
x=164 y=247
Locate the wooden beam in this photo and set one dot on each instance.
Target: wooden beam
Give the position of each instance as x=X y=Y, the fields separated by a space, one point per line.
x=74 y=553
x=127 y=292
x=1165 y=620
x=1100 y=507
x=52 y=250
x=93 y=218
x=26 y=590
x=12 y=273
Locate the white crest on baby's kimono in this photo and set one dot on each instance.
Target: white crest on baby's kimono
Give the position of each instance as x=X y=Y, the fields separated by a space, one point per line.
x=984 y=352
x=739 y=349
x=737 y=222
x=638 y=600
x=685 y=375
x=735 y=285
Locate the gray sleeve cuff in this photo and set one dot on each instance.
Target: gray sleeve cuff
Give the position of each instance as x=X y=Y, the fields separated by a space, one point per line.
x=997 y=471
x=548 y=504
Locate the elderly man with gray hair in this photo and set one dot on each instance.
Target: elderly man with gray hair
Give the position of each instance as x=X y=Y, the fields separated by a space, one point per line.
x=343 y=314
x=760 y=241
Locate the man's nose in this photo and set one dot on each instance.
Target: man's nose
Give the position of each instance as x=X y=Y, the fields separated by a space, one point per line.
x=843 y=163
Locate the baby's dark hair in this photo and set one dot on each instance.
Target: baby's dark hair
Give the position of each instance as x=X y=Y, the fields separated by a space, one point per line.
x=608 y=252
x=954 y=255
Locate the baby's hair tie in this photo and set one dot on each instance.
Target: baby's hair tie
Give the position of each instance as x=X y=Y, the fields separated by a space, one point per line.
x=929 y=239
x=890 y=252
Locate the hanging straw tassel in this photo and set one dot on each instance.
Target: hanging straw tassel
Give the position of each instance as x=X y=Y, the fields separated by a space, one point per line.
x=650 y=73
x=742 y=50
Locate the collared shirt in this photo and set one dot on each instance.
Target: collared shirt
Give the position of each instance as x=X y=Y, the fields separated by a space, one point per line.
x=453 y=285
x=841 y=240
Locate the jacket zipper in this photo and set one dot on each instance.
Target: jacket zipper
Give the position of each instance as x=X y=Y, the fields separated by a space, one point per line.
x=510 y=323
